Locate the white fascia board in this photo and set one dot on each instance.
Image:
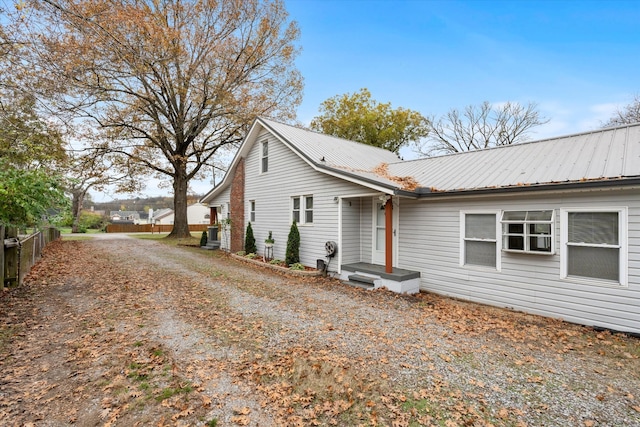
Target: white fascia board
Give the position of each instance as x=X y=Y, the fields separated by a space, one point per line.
x=242 y=151
x=332 y=172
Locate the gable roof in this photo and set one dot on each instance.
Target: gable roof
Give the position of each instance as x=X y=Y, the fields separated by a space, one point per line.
x=161 y=213
x=601 y=157
x=347 y=159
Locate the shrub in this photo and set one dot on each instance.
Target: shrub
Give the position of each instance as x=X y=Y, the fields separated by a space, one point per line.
x=252 y=255
x=241 y=253
x=293 y=245
x=296 y=266
x=250 y=241
x=203 y=239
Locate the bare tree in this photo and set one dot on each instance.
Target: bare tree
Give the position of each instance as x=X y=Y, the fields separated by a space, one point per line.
x=169 y=82
x=480 y=126
x=628 y=115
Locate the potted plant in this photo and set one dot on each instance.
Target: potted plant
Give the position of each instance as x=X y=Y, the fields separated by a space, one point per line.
x=269 y=241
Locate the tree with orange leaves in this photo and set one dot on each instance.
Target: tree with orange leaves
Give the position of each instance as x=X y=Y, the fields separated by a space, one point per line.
x=168 y=83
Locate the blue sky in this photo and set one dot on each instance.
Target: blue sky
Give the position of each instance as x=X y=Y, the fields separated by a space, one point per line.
x=578 y=60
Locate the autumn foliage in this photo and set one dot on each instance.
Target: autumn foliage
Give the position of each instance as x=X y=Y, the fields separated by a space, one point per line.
x=167 y=84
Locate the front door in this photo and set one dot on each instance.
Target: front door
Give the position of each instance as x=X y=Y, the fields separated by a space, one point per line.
x=378 y=245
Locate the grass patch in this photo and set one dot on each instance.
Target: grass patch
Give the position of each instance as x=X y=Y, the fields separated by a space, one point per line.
x=161 y=238
x=172 y=391
x=77 y=237
x=67 y=230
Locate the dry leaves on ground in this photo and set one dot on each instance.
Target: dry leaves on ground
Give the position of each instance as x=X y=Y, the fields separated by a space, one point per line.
x=136 y=333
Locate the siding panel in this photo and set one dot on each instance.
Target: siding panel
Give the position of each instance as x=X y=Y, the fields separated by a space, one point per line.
x=430 y=243
x=290 y=176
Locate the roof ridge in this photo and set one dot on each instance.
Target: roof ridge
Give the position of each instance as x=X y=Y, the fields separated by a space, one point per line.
x=325 y=135
x=536 y=141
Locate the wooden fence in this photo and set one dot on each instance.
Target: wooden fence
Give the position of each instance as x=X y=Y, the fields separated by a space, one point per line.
x=20 y=253
x=149 y=228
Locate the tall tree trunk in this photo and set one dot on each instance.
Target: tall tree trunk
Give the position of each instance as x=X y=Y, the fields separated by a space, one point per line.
x=76 y=209
x=180 y=222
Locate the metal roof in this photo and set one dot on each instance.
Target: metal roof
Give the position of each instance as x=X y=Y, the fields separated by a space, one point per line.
x=594 y=157
x=331 y=151
x=605 y=154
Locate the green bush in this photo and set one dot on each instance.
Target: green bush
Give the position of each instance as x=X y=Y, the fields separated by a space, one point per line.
x=293 y=245
x=203 y=239
x=250 y=241
x=296 y=266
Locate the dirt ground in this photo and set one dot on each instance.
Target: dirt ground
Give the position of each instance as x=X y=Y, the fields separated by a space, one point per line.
x=129 y=332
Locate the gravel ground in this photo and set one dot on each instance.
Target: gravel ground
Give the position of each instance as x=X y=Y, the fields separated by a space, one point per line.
x=269 y=349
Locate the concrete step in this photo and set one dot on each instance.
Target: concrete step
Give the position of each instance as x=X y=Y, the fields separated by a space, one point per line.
x=357 y=284
x=360 y=281
x=211 y=245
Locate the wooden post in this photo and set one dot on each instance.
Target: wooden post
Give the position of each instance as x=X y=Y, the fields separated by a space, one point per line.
x=213 y=216
x=1 y=257
x=388 y=240
x=11 y=259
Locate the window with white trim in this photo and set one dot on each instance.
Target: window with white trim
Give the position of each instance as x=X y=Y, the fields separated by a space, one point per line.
x=479 y=244
x=264 y=166
x=252 y=211
x=302 y=209
x=528 y=231
x=308 y=209
x=594 y=244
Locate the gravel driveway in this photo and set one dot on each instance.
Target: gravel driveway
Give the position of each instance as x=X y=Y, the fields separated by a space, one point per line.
x=134 y=332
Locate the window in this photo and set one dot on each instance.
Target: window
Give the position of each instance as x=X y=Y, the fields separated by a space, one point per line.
x=265 y=157
x=302 y=209
x=479 y=245
x=528 y=231
x=252 y=211
x=594 y=244
x=308 y=209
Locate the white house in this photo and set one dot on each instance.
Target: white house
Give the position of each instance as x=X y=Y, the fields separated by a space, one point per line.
x=124 y=217
x=197 y=213
x=550 y=227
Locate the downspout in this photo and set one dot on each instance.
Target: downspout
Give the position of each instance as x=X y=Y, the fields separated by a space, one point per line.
x=388 y=239
x=339 y=235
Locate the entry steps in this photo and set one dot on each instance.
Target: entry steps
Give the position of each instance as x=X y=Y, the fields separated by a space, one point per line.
x=211 y=245
x=360 y=281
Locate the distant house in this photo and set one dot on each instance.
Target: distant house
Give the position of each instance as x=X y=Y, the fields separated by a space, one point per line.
x=162 y=216
x=549 y=227
x=124 y=217
x=197 y=213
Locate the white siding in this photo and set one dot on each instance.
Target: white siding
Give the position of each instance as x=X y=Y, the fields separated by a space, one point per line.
x=288 y=175
x=350 y=231
x=366 y=229
x=430 y=243
x=221 y=202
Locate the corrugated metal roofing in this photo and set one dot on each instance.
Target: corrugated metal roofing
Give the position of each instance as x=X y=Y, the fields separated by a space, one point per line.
x=612 y=153
x=599 y=155
x=336 y=152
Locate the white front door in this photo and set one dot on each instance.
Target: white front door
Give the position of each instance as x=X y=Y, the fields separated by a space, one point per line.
x=378 y=245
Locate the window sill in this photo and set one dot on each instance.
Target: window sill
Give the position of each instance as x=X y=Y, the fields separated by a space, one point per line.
x=518 y=251
x=578 y=280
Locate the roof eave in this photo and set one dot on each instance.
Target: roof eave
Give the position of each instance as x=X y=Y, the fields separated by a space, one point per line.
x=560 y=186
